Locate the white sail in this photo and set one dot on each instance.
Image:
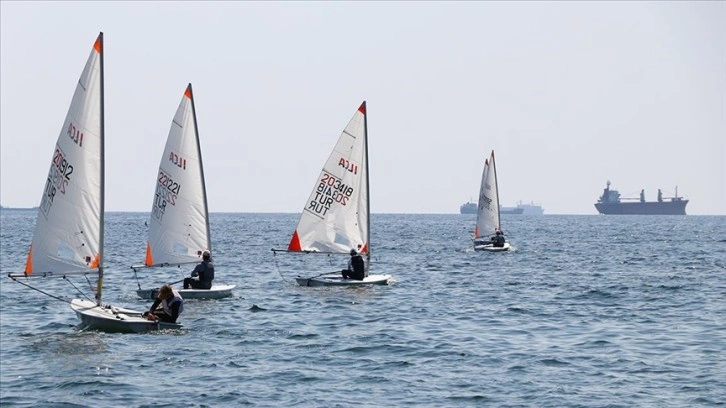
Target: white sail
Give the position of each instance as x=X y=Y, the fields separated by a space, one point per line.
x=335 y=216
x=179 y=228
x=69 y=229
x=487 y=218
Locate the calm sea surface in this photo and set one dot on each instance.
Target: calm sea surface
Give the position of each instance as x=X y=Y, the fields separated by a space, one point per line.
x=590 y=311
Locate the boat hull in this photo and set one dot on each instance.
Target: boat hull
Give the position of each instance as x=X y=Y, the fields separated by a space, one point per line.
x=216 y=292
x=115 y=320
x=677 y=207
x=492 y=248
x=337 y=280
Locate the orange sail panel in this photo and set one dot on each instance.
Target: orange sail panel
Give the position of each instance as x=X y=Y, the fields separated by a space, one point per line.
x=149 y=258
x=294 y=243
x=29 y=264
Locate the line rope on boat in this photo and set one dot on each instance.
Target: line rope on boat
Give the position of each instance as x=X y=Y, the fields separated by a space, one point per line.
x=76 y=288
x=277 y=266
x=43 y=292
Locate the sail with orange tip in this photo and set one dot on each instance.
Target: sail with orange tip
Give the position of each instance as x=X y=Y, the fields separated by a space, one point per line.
x=335 y=216
x=68 y=229
x=179 y=224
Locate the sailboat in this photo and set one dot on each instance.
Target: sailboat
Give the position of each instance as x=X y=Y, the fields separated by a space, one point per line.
x=69 y=231
x=488 y=219
x=336 y=216
x=179 y=226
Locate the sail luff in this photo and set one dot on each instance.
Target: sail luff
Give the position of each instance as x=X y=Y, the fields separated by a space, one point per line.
x=368 y=186
x=99 y=284
x=496 y=187
x=201 y=167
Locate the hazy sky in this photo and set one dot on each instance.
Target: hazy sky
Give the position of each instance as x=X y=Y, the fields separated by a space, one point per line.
x=568 y=94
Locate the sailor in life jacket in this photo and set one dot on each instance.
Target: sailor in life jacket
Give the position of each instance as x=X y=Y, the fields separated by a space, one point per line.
x=498 y=239
x=172 y=305
x=204 y=272
x=356 y=267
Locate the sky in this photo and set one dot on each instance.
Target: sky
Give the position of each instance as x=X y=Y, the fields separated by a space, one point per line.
x=569 y=95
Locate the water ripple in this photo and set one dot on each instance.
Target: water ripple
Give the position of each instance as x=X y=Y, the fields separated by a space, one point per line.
x=620 y=316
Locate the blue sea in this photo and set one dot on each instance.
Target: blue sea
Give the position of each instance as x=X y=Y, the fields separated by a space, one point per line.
x=585 y=311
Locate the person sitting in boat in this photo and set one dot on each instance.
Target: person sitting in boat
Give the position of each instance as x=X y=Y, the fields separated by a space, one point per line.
x=356 y=267
x=498 y=239
x=172 y=305
x=204 y=274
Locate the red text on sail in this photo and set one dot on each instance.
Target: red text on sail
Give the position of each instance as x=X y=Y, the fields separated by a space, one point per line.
x=348 y=165
x=75 y=134
x=178 y=161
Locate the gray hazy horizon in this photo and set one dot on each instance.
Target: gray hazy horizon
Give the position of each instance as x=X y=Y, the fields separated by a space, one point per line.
x=569 y=95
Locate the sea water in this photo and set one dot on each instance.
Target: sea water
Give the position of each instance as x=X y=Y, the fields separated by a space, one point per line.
x=584 y=311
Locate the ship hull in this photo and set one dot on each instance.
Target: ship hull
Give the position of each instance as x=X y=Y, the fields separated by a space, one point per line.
x=643 y=208
x=468 y=208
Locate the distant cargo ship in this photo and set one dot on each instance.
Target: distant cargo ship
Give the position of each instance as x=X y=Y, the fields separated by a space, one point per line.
x=611 y=203
x=511 y=210
x=468 y=208
x=527 y=209
x=520 y=209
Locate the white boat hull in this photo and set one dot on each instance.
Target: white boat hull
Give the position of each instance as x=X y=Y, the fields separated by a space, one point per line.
x=114 y=319
x=492 y=248
x=337 y=280
x=216 y=292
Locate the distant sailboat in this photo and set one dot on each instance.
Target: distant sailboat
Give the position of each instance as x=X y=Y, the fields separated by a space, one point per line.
x=179 y=230
x=69 y=231
x=488 y=220
x=336 y=216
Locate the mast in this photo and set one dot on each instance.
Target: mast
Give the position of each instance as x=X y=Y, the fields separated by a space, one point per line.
x=368 y=187
x=496 y=186
x=201 y=167
x=99 y=287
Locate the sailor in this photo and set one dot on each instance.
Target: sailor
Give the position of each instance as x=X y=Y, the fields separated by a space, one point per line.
x=356 y=267
x=204 y=272
x=498 y=239
x=172 y=305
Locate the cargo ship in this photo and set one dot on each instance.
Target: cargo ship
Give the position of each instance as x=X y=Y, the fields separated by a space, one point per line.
x=468 y=208
x=520 y=209
x=524 y=209
x=610 y=202
x=511 y=210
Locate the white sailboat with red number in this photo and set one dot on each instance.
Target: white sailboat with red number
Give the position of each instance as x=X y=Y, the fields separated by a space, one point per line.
x=69 y=231
x=179 y=225
x=488 y=220
x=336 y=216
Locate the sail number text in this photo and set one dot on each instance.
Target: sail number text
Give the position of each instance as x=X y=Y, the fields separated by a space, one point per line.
x=167 y=191
x=484 y=202
x=59 y=176
x=330 y=190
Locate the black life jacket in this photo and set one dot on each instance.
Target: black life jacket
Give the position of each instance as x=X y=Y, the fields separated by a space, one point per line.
x=207 y=275
x=359 y=266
